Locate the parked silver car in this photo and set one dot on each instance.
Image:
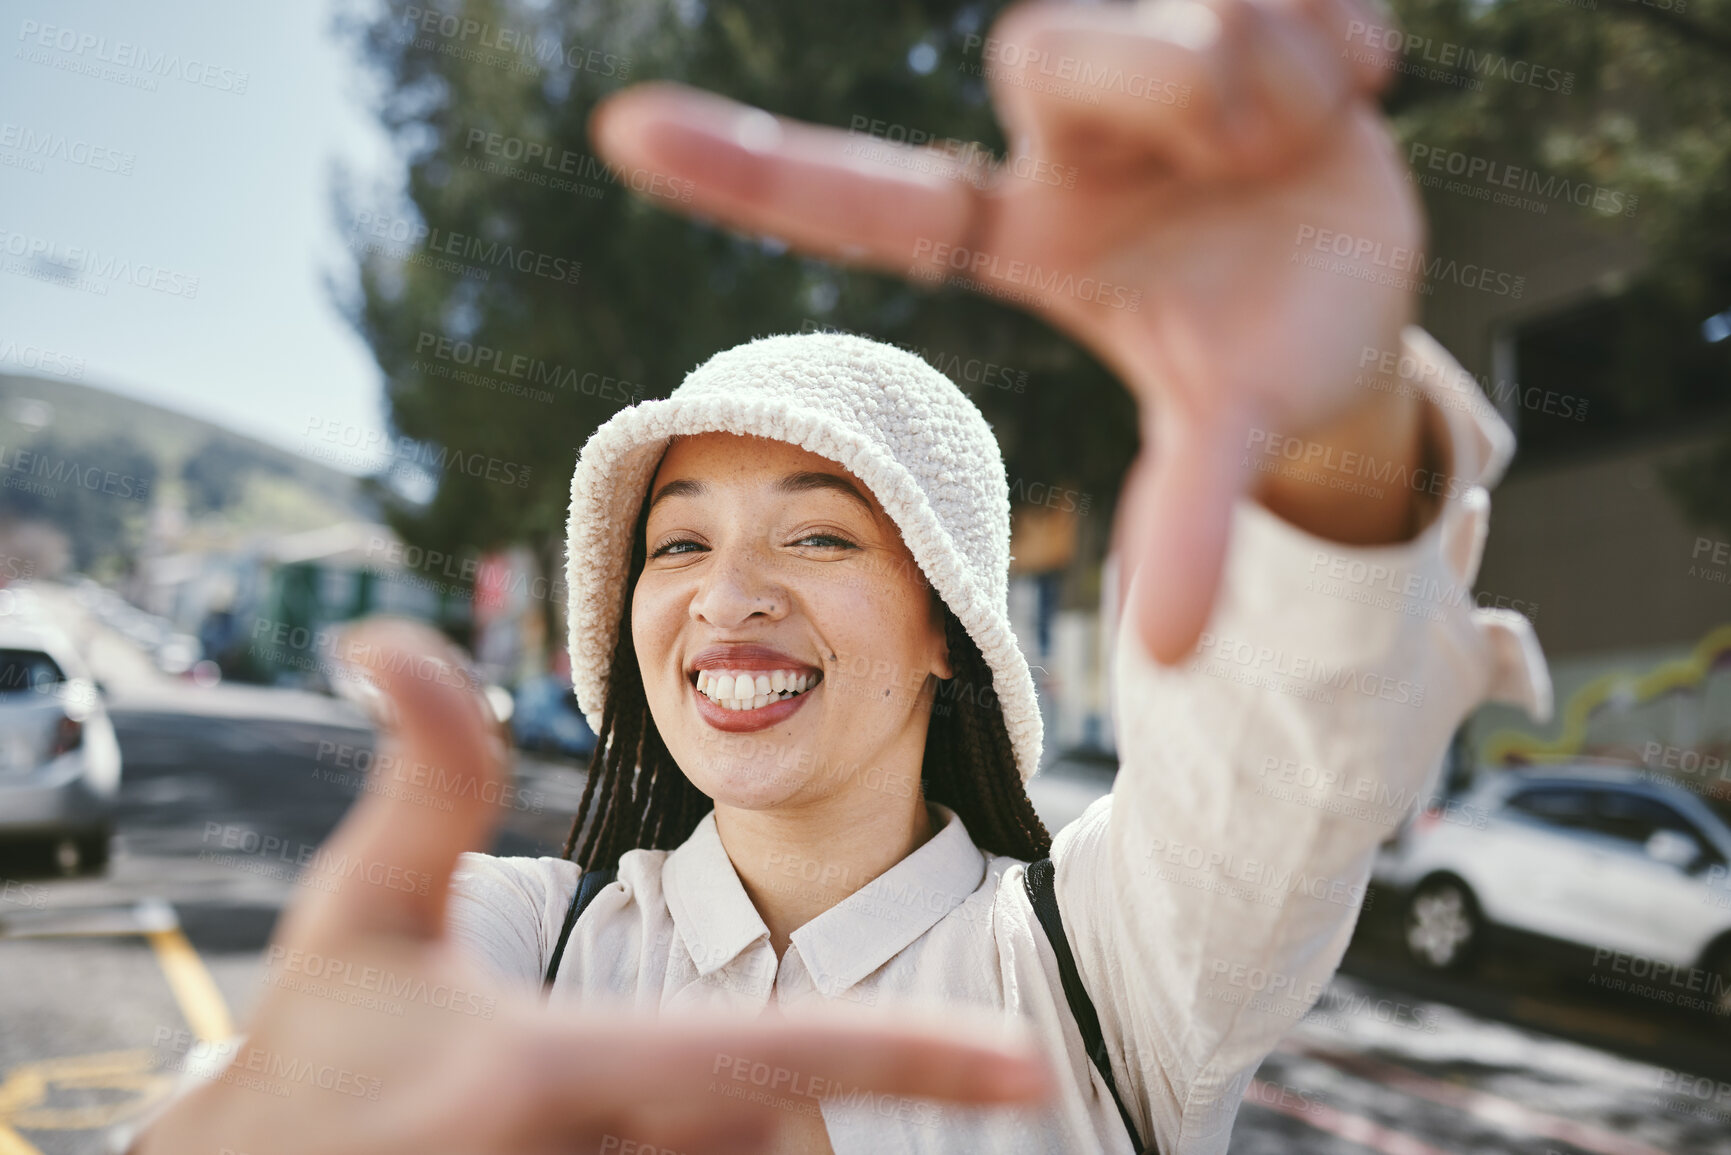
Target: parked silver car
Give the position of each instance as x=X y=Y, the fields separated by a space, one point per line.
x=1610 y=858
x=59 y=760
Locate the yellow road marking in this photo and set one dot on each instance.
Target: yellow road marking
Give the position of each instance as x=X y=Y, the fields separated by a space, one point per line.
x=26 y=1086
x=200 y=1001
x=22 y=1088
x=12 y=1143
x=111 y=1071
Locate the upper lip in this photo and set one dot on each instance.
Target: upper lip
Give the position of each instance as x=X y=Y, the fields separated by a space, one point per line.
x=745 y=656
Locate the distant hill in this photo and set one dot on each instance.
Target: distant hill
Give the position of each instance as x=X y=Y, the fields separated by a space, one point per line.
x=96 y=464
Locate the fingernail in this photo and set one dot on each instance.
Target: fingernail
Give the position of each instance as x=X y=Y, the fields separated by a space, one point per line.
x=756 y=131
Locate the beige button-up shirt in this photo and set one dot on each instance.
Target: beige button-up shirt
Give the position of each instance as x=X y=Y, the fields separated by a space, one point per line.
x=1207 y=899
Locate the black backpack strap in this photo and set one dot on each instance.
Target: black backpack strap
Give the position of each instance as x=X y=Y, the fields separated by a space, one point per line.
x=1039 y=880
x=589 y=884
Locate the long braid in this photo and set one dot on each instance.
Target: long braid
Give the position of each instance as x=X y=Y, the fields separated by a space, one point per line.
x=970 y=761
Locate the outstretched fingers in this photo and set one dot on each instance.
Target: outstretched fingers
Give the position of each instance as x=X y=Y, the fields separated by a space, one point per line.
x=1173 y=526
x=430 y=796
x=824 y=191
x=721 y=1072
x=1222 y=88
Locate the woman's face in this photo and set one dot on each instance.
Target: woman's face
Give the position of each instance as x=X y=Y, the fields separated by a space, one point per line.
x=766 y=561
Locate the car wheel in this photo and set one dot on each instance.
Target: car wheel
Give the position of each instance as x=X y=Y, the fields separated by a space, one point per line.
x=93 y=851
x=85 y=853
x=1442 y=925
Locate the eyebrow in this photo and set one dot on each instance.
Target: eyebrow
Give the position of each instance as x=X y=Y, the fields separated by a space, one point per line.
x=804 y=481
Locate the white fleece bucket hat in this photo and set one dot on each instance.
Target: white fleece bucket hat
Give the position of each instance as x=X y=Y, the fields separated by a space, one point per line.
x=900 y=426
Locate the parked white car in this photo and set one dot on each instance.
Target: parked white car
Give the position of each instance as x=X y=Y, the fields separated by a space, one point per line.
x=59 y=759
x=1604 y=857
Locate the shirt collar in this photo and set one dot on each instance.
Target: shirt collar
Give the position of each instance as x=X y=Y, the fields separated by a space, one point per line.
x=858 y=935
x=845 y=943
x=708 y=903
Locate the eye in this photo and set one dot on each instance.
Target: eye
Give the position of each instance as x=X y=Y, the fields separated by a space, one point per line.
x=834 y=541
x=667 y=547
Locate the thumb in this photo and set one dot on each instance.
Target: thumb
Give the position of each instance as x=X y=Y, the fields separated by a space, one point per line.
x=429 y=796
x=1174 y=524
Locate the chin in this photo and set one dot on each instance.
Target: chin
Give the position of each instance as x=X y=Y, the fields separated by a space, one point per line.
x=747 y=786
x=747 y=771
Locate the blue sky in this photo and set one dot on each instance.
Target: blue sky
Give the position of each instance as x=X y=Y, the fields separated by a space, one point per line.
x=231 y=187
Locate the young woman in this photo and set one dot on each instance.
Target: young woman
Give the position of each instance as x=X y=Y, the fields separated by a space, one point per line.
x=789 y=628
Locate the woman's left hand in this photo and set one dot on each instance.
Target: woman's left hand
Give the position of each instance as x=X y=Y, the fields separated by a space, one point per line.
x=1173 y=165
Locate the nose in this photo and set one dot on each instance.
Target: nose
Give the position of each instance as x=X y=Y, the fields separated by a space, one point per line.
x=736 y=586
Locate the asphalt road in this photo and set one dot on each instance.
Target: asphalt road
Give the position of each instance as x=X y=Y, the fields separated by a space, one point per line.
x=96 y=973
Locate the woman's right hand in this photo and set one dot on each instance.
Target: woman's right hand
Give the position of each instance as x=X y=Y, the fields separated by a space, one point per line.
x=468 y=1067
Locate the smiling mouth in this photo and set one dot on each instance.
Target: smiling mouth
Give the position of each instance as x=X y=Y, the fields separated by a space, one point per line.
x=753 y=689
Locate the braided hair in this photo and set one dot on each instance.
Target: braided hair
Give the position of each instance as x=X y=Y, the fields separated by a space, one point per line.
x=636 y=797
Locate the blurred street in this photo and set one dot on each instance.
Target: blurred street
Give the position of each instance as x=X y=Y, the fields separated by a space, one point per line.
x=225 y=786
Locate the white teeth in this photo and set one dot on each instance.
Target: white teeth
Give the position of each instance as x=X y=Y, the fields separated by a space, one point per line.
x=749 y=690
